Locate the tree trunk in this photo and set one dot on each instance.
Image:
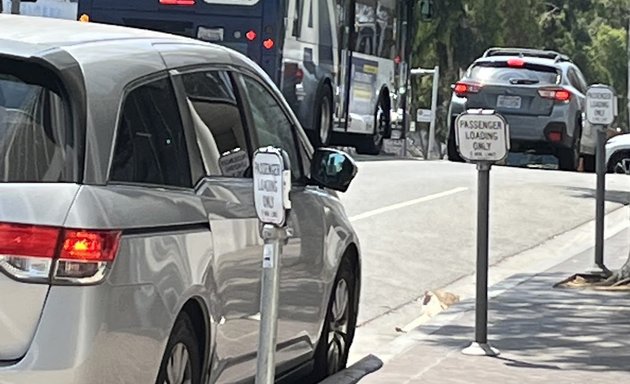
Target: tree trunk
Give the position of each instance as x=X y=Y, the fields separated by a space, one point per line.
x=624 y=272
x=15 y=7
x=619 y=277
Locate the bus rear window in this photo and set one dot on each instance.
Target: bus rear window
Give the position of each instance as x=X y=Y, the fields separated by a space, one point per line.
x=501 y=73
x=36 y=139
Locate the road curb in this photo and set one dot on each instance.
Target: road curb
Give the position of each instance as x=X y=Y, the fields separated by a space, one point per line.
x=356 y=372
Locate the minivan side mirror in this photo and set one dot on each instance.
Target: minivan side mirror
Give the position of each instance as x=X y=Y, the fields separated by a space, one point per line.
x=332 y=169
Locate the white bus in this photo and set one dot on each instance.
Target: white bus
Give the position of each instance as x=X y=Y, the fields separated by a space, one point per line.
x=339 y=63
x=60 y=9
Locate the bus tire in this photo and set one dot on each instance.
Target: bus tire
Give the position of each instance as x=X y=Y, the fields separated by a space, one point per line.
x=372 y=145
x=321 y=131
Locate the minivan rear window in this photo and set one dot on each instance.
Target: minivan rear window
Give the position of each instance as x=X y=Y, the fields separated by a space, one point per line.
x=501 y=73
x=36 y=139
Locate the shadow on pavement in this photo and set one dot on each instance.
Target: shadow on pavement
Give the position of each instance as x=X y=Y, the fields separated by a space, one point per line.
x=620 y=197
x=544 y=328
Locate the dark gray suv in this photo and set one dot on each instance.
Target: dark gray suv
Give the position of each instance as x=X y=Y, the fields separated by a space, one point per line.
x=542 y=96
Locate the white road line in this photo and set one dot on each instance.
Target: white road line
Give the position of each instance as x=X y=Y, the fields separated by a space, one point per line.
x=408 y=203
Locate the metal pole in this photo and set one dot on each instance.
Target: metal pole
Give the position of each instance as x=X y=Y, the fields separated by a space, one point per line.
x=266 y=364
x=434 y=101
x=483 y=211
x=480 y=346
x=15 y=7
x=600 y=198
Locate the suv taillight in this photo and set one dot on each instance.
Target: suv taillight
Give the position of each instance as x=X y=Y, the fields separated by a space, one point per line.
x=461 y=89
x=557 y=94
x=43 y=254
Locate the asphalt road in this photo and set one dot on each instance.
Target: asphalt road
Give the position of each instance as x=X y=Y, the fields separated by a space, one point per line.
x=417 y=222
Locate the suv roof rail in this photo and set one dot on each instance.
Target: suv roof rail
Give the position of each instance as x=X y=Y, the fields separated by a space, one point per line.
x=523 y=52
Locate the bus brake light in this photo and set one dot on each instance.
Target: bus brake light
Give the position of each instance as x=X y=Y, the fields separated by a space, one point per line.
x=178 y=2
x=251 y=35
x=269 y=43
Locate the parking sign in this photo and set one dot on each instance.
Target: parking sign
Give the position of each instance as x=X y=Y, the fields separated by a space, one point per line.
x=482 y=136
x=272 y=183
x=600 y=105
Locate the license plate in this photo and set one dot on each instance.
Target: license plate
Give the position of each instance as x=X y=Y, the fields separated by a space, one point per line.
x=512 y=102
x=210 y=34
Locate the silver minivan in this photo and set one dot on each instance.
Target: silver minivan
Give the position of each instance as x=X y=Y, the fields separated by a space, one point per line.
x=129 y=246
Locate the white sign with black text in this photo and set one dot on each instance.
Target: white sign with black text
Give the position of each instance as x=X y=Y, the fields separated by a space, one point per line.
x=482 y=136
x=600 y=105
x=272 y=183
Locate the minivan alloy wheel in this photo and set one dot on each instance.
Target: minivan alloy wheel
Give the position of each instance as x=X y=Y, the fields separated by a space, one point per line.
x=179 y=368
x=338 y=328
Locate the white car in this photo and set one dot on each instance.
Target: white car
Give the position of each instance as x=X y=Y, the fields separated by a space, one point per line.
x=618 y=154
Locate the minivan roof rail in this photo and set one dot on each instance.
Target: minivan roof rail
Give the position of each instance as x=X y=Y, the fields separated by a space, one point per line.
x=526 y=52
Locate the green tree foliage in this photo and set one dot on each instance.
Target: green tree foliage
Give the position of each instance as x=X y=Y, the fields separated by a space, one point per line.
x=592 y=32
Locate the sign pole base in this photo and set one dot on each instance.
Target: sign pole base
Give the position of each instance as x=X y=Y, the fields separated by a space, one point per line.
x=477 y=349
x=599 y=270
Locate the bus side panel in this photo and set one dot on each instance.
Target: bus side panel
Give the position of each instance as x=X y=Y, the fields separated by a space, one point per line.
x=369 y=77
x=309 y=56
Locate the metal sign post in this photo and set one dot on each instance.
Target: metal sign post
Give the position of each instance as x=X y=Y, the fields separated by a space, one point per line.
x=600 y=111
x=482 y=138
x=435 y=72
x=272 y=183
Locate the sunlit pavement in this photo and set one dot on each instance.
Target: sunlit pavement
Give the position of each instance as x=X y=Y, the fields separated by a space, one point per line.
x=545 y=335
x=416 y=222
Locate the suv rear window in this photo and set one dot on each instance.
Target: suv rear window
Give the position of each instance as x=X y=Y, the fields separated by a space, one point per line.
x=36 y=138
x=501 y=73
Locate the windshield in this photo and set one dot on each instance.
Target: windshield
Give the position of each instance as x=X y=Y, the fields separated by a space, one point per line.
x=502 y=74
x=34 y=136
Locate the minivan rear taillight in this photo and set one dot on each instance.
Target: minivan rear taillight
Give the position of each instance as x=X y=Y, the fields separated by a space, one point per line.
x=42 y=254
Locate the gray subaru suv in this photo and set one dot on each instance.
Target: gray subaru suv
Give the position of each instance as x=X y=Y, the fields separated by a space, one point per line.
x=129 y=244
x=541 y=94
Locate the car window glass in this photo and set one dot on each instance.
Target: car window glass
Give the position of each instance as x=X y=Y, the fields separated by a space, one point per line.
x=35 y=138
x=573 y=79
x=218 y=123
x=150 y=144
x=272 y=126
x=502 y=74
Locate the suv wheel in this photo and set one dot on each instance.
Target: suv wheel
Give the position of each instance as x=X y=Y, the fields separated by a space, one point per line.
x=451 y=146
x=569 y=158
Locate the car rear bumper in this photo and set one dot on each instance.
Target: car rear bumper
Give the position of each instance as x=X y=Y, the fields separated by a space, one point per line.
x=533 y=132
x=97 y=335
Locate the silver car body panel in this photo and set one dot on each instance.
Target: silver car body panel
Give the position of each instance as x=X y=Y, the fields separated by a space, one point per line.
x=180 y=247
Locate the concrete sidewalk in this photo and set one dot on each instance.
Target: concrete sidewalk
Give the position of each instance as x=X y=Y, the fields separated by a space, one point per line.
x=545 y=335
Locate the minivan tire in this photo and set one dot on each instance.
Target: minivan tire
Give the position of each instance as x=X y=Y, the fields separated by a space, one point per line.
x=325 y=365
x=181 y=343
